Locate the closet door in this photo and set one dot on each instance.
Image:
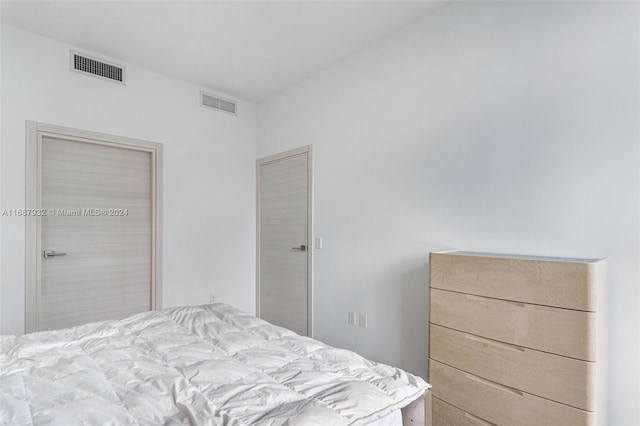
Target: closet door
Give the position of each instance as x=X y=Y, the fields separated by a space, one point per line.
x=284 y=256
x=97 y=234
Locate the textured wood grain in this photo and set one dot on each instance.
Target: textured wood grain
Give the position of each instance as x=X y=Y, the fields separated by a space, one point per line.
x=566 y=380
x=558 y=331
x=563 y=283
x=499 y=404
x=514 y=334
x=106 y=273
x=445 y=414
x=283 y=225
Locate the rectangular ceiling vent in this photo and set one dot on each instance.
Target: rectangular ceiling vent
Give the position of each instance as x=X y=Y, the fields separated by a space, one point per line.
x=217 y=103
x=96 y=67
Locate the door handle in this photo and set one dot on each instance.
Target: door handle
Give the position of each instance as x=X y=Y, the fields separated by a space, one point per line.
x=50 y=253
x=301 y=248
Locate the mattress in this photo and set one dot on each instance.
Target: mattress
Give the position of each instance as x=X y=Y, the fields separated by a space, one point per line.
x=392 y=419
x=201 y=365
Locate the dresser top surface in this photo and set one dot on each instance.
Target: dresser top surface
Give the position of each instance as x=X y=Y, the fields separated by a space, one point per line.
x=518 y=256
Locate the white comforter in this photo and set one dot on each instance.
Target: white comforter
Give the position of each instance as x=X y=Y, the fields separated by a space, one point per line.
x=204 y=365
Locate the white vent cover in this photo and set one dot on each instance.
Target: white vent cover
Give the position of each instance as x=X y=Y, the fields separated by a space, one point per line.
x=96 y=67
x=217 y=103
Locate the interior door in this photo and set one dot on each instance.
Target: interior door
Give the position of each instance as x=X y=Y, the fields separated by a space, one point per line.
x=284 y=233
x=96 y=235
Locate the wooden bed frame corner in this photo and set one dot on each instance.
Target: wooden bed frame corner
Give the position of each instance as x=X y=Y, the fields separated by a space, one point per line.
x=418 y=413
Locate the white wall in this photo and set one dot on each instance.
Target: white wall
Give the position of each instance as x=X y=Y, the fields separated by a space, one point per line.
x=507 y=127
x=209 y=168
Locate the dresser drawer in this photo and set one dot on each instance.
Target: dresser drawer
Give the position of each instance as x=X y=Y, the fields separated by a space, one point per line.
x=542 y=281
x=566 y=380
x=447 y=415
x=500 y=404
x=564 y=332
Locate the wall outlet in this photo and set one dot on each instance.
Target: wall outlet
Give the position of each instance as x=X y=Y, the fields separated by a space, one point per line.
x=362 y=320
x=351 y=319
x=212 y=298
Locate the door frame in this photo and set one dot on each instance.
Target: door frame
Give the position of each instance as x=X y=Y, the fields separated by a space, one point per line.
x=304 y=150
x=33 y=247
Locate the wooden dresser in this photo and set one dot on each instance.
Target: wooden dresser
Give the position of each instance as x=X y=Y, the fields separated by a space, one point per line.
x=513 y=340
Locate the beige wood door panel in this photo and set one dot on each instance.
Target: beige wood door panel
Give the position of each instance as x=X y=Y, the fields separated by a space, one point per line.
x=500 y=404
x=100 y=203
x=558 y=331
x=102 y=199
x=283 y=227
x=543 y=281
x=566 y=380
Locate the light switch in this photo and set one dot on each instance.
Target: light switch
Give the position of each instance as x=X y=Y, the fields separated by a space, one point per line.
x=318 y=242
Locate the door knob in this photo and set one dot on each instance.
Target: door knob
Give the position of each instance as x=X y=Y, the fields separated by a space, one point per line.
x=50 y=253
x=301 y=248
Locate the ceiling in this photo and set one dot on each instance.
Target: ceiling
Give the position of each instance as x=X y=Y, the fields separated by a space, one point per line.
x=246 y=49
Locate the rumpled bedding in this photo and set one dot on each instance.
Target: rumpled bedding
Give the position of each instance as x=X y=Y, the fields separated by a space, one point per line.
x=200 y=365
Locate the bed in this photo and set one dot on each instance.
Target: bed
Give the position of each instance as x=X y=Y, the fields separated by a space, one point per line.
x=202 y=365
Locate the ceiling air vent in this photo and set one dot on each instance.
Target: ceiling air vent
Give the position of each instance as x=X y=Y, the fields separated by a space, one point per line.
x=96 y=67
x=214 y=102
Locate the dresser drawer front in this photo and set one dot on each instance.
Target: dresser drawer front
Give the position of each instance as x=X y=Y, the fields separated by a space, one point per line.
x=564 y=284
x=566 y=380
x=445 y=414
x=499 y=404
x=558 y=331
